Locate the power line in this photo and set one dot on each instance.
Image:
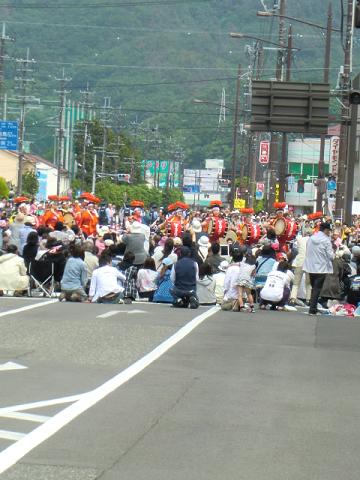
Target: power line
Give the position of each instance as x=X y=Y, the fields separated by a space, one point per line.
x=41 y=6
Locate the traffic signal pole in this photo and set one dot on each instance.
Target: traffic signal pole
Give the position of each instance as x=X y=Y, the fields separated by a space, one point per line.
x=321 y=171
x=344 y=131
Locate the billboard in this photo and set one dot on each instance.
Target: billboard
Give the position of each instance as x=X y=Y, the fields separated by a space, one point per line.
x=161 y=173
x=8 y=135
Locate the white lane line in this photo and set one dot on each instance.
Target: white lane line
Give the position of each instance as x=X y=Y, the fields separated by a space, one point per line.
x=28 y=307
x=7 y=435
x=130 y=312
x=41 y=404
x=11 y=366
x=108 y=314
x=28 y=417
x=15 y=452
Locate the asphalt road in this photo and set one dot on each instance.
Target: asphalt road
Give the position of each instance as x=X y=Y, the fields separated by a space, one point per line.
x=148 y=392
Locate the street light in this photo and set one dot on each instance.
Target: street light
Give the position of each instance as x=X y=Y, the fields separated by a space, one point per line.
x=258 y=39
x=294 y=19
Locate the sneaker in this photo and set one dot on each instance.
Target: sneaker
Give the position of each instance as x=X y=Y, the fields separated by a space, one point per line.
x=62 y=297
x=194 y=303
x=292 y=302
x=299 y=303
x=178 y=303
x=252 y=309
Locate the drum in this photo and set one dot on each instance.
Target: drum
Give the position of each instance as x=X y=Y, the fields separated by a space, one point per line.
x=291 y=230
x=217 y=227
x=174 y=229
x=280 y=226
x=251 y=233
x=69 y=219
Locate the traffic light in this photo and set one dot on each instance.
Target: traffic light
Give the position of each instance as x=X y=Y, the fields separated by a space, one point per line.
x=354 y=97
x=357 y=14
x=300 y=186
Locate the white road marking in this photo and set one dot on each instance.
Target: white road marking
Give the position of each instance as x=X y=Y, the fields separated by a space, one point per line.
x=15 y=452
x=5 y=434
x=28 y=417
x=28 y=307
x=136 y=311
x=109 y=314
x=11 y=366
x=41 y=404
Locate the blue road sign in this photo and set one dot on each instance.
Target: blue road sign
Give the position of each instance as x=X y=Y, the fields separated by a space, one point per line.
x=191 y=188
x=8 y=135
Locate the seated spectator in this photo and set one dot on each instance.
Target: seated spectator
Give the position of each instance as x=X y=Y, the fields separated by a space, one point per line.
x=214 y=258
x=106 y=282
x=129 y=269
x=146 y=281
x=202 y=249
x=167 y=251
x=74 y=280
x=62 y=233
x=264 y=264
x=276 y=291
x=31 y=248
x=230 y=301
x=13 y=276
x=164 y=283
x=205 y=285
x=219 y=281
x=184 y=275
x=90 y=259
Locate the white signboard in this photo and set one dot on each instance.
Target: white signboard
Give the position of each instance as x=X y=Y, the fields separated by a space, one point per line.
x=334 y=155
x=214 y=163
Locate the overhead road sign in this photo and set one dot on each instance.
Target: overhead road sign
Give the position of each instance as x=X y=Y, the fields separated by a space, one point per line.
x=8 y=135
x=290 y=107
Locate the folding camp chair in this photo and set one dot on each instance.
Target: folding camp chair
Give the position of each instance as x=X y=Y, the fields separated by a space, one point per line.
x=42 y=277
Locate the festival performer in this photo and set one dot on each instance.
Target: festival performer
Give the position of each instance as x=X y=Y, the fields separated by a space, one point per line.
x=285 y=228
x=51 y=216
x=215 y=224
x=176 y=223
x=136 y=213
x=89 y=220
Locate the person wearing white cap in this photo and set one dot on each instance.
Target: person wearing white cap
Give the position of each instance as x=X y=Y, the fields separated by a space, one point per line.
x=219 y=281
x=203 y=246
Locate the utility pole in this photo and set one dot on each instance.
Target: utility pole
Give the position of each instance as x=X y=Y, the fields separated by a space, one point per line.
x=321 y=171
x=105 y=119
x=235 y=138
x=284 y=148
x=274 y=146
x=61 y=129
x=87 y=140
x=3 y=56
x=22 y=85
x=345 y=111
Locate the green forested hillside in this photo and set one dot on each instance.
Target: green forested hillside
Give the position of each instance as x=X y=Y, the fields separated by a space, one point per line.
x=153 y=60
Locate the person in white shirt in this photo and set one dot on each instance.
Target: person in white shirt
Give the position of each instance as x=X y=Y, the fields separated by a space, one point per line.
x=230 y=282
x=146 y=281
x=219 y=281
x=106 y=282
x=276 y=290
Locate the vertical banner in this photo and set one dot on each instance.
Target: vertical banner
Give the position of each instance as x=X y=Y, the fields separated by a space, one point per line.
x=334 y=155
x=42 y=179
x=264 y=152
x=277 y=192
x=260 y=189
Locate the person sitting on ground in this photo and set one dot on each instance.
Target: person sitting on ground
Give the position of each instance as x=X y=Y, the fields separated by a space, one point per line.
x=202 y=249
x=74 y=280
x=15 y=228
x=246 y=282
x=13 y=276
x=106 y=284
x=230 y=301
x=276 y=291
x=31 y=248
x=214 y=258
x=134 y=242
x=128 y=268
x=164 y=283
x=205 y=285
x=219 y=281
x=167 y=251
x=90 y=259
x=184 y=275
x=146 y=281
x=264 y=264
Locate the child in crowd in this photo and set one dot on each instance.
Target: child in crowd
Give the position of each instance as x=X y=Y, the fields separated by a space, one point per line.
x=146 y=281
x=245 y=282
